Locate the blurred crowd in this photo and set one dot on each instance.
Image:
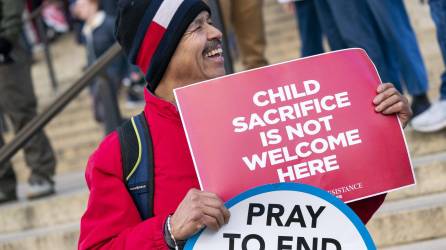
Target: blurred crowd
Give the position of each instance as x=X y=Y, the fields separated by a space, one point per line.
x=381 y=28
x=25 y=28
x=384 y=30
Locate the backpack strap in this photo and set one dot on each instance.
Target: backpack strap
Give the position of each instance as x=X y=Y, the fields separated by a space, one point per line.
x=137 y=163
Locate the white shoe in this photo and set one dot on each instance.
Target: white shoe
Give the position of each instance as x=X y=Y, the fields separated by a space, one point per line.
x=433 y=119
x=39 y=187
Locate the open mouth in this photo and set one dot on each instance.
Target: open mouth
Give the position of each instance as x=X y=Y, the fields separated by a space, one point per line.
x=215 y=53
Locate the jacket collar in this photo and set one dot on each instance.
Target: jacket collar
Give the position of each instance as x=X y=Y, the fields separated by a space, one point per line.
x=160 y=106
x=96 y=21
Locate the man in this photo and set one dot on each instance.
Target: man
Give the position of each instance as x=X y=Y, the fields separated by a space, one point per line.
x=174 y=44
x=18 y=103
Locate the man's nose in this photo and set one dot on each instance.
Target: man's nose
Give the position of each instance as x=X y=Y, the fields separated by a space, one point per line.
x=214 y=33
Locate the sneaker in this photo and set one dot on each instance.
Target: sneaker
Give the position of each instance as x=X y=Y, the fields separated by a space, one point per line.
x=7 y=197
x=434 y=119
x=420 y=103
x=39 y=187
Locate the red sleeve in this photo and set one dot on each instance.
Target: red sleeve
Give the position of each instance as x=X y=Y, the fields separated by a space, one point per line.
x=367 y=207
x=111 y=220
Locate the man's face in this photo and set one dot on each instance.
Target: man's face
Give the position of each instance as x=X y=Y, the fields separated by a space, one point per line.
x=84 y=9
x=199 y=55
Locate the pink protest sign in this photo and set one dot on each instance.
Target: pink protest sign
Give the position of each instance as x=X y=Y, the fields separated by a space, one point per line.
x=308 y=121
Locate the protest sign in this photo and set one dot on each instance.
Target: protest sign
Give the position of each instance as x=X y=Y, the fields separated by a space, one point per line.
x=286 y=216
x=308 y=121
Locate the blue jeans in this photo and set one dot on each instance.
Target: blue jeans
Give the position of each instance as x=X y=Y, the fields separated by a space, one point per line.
x=328 y=25
x=401 y=43
x=438 y=12
x=309 y=28
x=352 y=24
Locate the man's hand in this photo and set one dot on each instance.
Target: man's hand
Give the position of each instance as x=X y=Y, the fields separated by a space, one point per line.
x=198 y=209
x=389 y=101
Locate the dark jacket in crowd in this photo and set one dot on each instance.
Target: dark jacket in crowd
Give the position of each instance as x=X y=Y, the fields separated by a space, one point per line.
x=99 y=39
x=10 y=26
x=11 y=20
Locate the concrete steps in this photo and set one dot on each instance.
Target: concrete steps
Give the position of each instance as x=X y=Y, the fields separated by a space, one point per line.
x=417 y=213
x=43 y=213
x=435 y=244
x=48 y=238
x=281 y=34
x=409 y=220
x=66 y=206
x=51 y=223
x=425 y=143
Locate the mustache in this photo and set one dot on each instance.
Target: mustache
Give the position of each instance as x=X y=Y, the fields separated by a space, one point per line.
x=212 y=45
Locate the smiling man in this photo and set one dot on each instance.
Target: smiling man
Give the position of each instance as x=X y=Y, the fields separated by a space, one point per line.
x=175 y=44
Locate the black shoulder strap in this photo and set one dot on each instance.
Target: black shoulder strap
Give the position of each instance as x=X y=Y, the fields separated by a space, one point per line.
x=138 y=163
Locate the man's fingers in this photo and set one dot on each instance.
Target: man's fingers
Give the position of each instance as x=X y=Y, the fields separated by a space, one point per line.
x=395 y=108
x=226 y=214
x=210 y=222
x=382 y=87
x=212 y=201
x=210 y=195
x=388 y=102
x=218 y=204
x=384 y=95
x=196 y=210
x=215 y=213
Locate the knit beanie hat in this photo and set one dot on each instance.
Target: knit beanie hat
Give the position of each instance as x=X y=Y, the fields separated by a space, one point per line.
x=149 y=32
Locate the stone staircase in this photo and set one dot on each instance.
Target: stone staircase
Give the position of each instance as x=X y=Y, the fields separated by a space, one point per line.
x=412 y=218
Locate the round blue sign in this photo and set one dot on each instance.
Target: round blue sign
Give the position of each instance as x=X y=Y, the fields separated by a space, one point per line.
x=286 y=216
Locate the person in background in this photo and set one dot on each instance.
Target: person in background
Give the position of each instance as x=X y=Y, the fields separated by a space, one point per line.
x=54 y=18
x=382 y=28
x=307 y=21
x=98 y=32
x=434 y=119
x=18 y=103
x=401 y=43
x=246 y=19
x=342 y=36
x=110 y=7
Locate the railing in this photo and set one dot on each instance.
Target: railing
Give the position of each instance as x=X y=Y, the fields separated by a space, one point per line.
x=37 y=16
x=113 y=117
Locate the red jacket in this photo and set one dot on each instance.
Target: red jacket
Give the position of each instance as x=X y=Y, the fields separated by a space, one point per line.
x=111 y=220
